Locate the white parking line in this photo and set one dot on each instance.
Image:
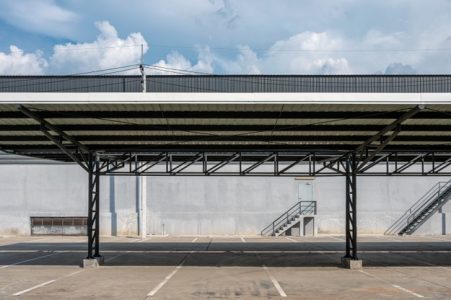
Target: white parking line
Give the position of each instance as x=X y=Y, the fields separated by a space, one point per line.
x=34 y=287
x=290 y=239
x=275 y=283
x=28 y=260
x=393 y=285
x=194 y=240
x=166 y=279
x=243 y=240
x=45 y=283
x=407 y=291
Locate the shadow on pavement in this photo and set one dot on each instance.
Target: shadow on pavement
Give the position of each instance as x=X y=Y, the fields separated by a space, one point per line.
x=221 y=254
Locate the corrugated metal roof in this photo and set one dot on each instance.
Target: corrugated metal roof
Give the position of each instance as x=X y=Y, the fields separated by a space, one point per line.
x=119 y=127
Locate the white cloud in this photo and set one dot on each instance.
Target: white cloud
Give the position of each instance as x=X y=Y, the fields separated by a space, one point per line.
x=259 y=24
x=107 y=51
x=308 y=52
x=176 y=61
x=304 y=53
x=45 y=17
x=19 y=63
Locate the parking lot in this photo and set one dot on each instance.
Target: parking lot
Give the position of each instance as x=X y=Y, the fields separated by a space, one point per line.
x=226 y=267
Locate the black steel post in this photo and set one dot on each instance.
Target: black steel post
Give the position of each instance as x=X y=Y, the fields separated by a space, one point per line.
x=93 y=207
x=351 y=206
x=90 y=210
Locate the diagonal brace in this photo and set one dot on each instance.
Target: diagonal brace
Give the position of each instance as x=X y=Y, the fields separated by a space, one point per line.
x=394 y=127
x=259 y=163
x=58 y=139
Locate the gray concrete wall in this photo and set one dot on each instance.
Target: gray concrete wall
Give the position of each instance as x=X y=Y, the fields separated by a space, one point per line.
x=203 y=205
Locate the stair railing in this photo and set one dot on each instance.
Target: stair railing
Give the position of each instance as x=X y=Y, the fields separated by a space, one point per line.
x=300 y=208
x=433 y=193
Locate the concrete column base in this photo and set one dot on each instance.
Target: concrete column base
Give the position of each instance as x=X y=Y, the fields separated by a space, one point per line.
x=352 y=264
x=93 y=262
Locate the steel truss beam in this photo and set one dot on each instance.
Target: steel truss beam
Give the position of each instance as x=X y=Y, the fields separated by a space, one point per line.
x=274 y=163
x=93 y=207
x=351 y=206
x=60 y=139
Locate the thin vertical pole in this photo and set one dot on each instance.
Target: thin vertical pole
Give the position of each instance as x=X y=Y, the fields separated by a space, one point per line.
x=143 y=208
x=143 y=73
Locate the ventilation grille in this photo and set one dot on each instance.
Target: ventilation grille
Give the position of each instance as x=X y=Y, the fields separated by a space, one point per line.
x=59 y=225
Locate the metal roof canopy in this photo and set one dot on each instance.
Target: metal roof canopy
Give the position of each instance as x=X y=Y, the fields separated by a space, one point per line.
x=232 y=125
x=191 y=132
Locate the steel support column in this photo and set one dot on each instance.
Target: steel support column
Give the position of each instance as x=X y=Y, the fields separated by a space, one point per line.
x=351 y=206
x=93 y=207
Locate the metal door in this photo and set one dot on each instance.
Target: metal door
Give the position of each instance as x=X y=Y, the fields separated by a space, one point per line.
x=305 y=190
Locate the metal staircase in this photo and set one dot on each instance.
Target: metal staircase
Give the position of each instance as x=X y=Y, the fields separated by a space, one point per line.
x=422 y=210
x=290 y=218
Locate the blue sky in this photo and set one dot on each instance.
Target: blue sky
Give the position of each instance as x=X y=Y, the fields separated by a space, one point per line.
x=227 y=36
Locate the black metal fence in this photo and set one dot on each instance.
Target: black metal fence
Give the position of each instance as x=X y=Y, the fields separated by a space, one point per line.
x=232 y=84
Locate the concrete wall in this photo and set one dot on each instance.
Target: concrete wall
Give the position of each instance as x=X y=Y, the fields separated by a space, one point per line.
x=203 y=205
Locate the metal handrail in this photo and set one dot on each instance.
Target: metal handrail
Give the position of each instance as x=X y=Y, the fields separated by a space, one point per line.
x=431 y=195
x=300 y=208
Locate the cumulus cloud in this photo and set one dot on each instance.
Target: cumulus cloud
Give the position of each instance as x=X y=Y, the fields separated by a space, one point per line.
x=302 y=58
x=175 y=63
x=309 y=52
x=252 y=34
x=304 y=53
x=16 y=62
x=107 y=51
